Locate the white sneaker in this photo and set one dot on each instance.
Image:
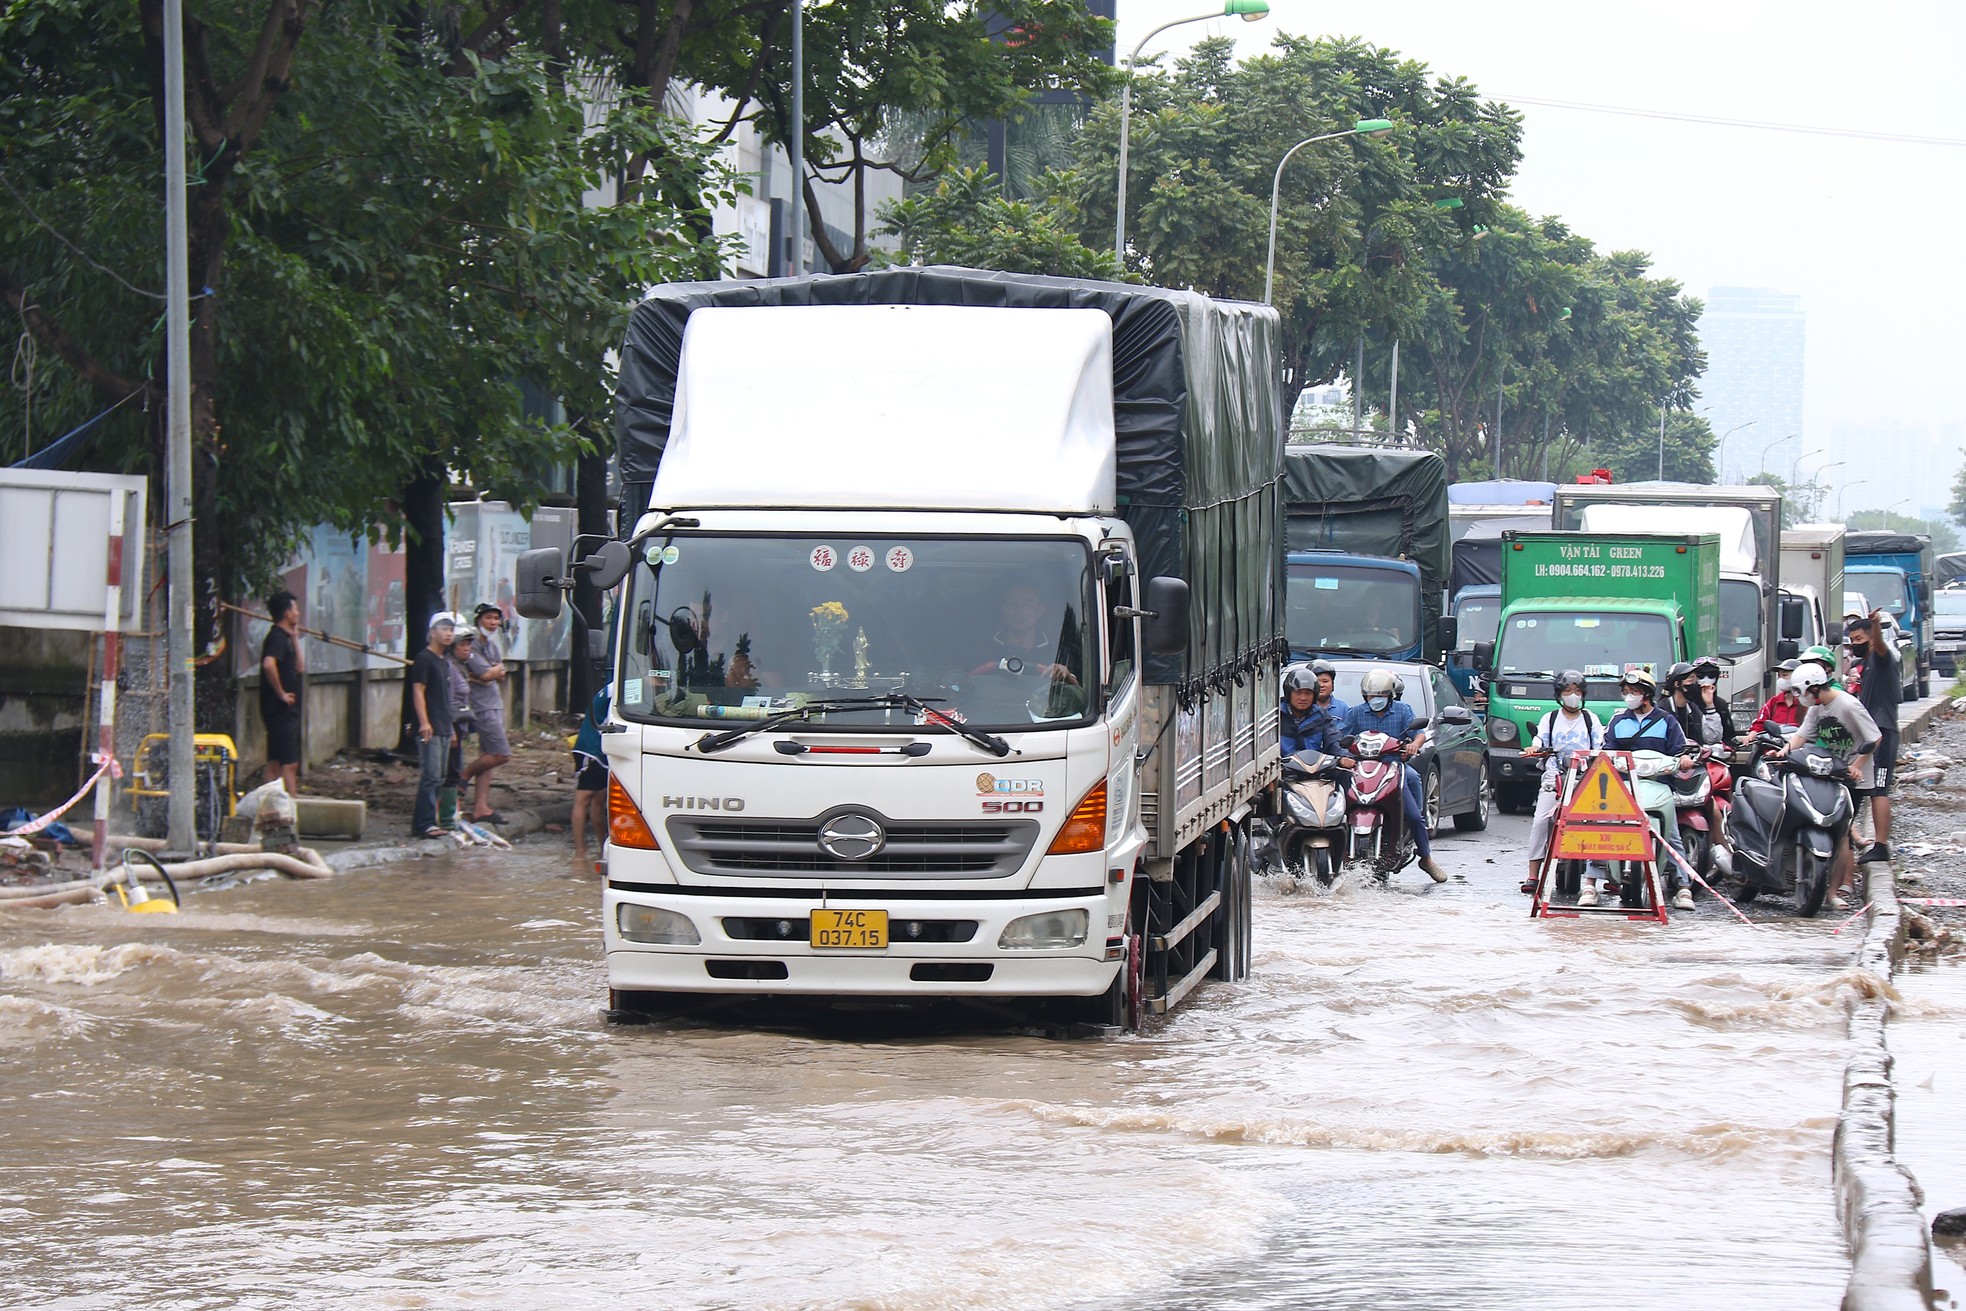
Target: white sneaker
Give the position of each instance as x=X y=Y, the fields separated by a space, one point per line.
x=1588 y=896
x=1683 y=900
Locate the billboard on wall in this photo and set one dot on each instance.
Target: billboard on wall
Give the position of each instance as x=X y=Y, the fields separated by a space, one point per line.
x=355 y=590
x=54 y=542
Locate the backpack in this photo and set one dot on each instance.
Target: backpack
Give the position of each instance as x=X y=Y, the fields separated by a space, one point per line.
x=1591 y=722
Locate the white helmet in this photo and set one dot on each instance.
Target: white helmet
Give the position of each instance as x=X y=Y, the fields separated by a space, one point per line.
x=1808 y=677
x=1379 y=682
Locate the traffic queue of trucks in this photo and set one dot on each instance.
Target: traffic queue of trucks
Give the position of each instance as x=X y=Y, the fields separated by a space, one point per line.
x=964 y=689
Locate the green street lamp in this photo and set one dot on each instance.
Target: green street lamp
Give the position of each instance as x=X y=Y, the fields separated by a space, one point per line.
x=1366 y=127
x=1250 y=11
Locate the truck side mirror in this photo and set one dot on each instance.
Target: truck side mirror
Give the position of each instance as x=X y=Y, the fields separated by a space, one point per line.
x=1165 y=631
x=1788 y=648
x=605 y=567
x=537 y=590
x=1484 y=656
x=1450 y=632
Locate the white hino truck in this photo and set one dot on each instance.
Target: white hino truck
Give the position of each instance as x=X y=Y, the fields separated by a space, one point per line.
x=947 y=644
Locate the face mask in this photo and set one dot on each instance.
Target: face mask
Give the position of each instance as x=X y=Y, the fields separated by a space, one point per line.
x=1572 y=700
x=1782 y=685
x=1633 y=700
x=1378 y=702
x=1707 y=682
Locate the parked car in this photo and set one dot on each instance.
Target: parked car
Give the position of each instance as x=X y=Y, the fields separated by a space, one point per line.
x=1454 y=762
x=1948 y=629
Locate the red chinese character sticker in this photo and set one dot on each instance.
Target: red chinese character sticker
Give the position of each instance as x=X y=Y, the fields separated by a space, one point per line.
x=900 y=559
x=824 y=558
x=860 y=558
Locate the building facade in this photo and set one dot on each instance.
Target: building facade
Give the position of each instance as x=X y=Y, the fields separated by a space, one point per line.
x=1751 y=393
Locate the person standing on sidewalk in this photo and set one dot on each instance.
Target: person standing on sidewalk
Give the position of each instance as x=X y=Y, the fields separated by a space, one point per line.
x=280 y=668
x=487 y=672
x=430 y=725
x=458 y=664
x=1875 y=665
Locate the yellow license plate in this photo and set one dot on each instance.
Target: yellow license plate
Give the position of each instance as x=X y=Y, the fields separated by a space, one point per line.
x=849 y=928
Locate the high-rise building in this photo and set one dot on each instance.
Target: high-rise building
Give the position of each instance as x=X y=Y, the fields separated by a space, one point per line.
x=1752 y=390
x=1887 y=464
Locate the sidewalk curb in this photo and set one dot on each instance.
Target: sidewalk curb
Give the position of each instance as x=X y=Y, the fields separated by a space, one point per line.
x=1878 y=1200
x=519 y=824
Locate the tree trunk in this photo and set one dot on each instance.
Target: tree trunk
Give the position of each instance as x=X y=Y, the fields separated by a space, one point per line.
x=423 y=563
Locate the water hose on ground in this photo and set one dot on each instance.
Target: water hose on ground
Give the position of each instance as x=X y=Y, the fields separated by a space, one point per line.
x=305 y=863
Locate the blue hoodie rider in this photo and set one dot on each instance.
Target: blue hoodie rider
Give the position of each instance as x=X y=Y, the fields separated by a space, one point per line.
x=1304 y=724
x=1380 y=713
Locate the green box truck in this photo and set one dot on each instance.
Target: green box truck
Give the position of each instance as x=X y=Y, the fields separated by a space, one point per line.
x=1595 y=602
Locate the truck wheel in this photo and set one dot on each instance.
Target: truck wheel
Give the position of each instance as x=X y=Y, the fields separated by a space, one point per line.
x=1232 y=916
x=1474 y=821
x=1515 y=799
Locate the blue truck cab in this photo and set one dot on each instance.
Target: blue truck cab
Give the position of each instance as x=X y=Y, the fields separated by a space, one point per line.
x=1337 y=603
x=1477 y=614
x=1897 y=573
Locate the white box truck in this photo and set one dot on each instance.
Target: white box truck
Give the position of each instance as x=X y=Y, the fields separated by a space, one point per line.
x=947 y=651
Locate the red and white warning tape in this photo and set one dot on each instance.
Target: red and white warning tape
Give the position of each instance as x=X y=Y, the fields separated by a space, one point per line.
x=1932 y=901
x=40 y=822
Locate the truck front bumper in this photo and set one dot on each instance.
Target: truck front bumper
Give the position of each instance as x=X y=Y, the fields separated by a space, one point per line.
x=1511 y=770
x=724 y=962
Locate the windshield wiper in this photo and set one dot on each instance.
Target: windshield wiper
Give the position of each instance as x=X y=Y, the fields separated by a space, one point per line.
x=990 y=742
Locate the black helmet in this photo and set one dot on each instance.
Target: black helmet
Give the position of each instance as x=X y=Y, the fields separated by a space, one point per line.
x=1677 y=672
x=1299 y=678
x=1707 y=667
x=1324 y=667
x=1570 y=678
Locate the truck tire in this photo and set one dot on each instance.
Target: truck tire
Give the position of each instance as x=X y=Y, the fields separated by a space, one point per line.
x=1474 y=821
x=1232 y=917
x=1514 y=799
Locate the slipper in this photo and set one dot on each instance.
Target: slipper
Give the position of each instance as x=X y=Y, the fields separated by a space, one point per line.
x=435 y=832
x=493 y=818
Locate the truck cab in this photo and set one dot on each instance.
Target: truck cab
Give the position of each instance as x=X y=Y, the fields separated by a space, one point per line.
x=1352 y=605
x=1477 y=615
x=1601 y=604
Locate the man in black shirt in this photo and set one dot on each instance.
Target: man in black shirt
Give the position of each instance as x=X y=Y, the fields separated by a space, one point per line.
x=430 y=723
x=1875 y=665
x=280 y=667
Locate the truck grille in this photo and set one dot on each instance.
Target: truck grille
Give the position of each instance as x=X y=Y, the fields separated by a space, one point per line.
x=917 y=849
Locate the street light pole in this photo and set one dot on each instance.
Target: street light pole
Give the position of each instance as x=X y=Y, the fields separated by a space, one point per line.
x=1662 y=441
x=1839 y=496
x=1370 y=127
x=1250 y=11
x=180 y=610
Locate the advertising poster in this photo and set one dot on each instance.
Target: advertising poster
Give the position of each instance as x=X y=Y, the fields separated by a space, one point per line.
x=337 y=599
x=248 y=634
x=388 y=628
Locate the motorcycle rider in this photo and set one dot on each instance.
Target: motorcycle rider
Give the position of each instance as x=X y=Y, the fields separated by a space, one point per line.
x=1715 y=723
x=1874 y=666
x=1644 y=726
x=1327 y=679
x=1381 y=713
x=1676 y=698
x=1784 y=709
x=1841 y=724
x=1304 y=724
x=1568 y=728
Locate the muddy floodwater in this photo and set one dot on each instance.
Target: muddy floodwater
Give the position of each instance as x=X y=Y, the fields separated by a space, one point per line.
x=394 y=1089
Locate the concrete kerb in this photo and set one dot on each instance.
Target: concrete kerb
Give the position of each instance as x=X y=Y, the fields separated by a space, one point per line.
x=519 y=824
x=1878 y=1200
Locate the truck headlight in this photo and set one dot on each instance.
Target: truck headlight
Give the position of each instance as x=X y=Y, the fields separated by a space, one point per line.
x=1501 y=731
x=653 y=924
x=1051 y=929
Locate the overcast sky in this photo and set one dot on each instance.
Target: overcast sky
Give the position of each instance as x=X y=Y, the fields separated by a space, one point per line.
x=1864 y=231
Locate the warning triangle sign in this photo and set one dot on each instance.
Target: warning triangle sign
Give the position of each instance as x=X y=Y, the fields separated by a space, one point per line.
x=1602 y=798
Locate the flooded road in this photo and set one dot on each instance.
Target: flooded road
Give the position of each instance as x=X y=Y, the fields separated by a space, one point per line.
x=394 y=1089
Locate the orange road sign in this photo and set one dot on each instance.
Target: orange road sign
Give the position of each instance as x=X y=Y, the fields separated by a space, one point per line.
x=1602 y=798
x=1620 y=842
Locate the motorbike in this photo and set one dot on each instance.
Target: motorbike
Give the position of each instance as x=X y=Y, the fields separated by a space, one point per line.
x=1375 y=816
x=1702 y=795
x=1651 y=775
x=1787 y=821
x=1311 y=828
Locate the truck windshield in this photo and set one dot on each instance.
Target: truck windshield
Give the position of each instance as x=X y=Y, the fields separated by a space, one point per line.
x=1334 y=607
x=728 y=627
x=1740 y=616
x=1950 y=604
x=1886 y=591
x=1476 y=618
x=1601 y=644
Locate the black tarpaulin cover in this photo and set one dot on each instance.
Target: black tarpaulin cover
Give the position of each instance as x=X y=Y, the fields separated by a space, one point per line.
x=1196 y=412
x=1478 y=555
x=1884 y=541
x=1372 y=500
